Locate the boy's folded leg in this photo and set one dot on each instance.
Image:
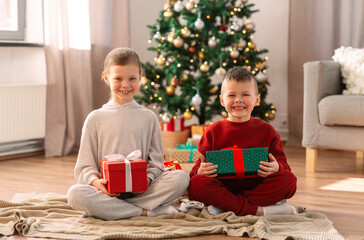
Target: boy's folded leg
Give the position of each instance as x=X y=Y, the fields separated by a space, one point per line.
x=280 y=209
x=162 y=210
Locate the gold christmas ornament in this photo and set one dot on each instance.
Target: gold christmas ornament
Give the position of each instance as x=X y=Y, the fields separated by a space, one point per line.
x=201 y=55
x=204 y=67
x=184 y=77
x=185 y=32
x=168 y=13
x=144 y=81
x=170 y=37
x=224 y=114
x=178 y=42
x=187 y=115
x=170 y=90
x=234 y=54
x=251 y=45
x=160 y=61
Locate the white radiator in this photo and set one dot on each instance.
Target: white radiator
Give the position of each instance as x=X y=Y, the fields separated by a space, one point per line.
x=22 y=112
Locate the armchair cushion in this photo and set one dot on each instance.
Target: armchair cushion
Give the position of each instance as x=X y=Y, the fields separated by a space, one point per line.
x=346 y=110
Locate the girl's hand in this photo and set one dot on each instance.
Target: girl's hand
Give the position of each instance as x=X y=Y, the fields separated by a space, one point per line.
x=100 y=184
x=206 y=168
x=268 y=168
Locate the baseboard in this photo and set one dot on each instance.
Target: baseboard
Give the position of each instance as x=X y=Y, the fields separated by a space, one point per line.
x=21 y=147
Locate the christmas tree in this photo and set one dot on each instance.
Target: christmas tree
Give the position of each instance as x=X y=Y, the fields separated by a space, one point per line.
x=196 y=41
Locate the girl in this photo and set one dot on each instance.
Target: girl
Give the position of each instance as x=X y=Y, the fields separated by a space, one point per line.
x=120 y=127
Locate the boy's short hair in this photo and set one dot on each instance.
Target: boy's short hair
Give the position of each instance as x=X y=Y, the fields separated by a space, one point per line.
x=121 y=56
x=240 y=74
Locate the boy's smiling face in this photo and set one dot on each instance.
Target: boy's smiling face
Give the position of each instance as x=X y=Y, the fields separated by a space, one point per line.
x=239 y=99
x=123 y=81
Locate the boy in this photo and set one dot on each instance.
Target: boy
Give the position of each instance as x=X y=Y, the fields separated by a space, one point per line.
x=255 y=196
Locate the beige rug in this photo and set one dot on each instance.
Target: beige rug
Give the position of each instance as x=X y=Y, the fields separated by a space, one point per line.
x=49 y=216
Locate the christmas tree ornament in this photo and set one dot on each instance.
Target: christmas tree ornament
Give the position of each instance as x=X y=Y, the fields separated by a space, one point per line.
x=234 y=54
x=199 y=24
x=166 y=118
x=178 y=42
x=212 y=42
x=160 y=61
x=170 y=37
x=271 y=116
x=157 y=35
x=190 y=5
x=223 y=27
x=213 y=90
x=184 y=77
x=144 y=81
x=244 y=1
x=185 y=32
x=220 y=72
x=249 y=26
x=178 y=6
x=168 y=13
x=187 y=114
x=224 y=114
x=170 y=90
x=192 y=49
x=204 y=67
x=260 y=76
x=241 y=43
x=174 y=81
x=196 y=100
x=201 y=55
x=167 y=5
x=251 y=45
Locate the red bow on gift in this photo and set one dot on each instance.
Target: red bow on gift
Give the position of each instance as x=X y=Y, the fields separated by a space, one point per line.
x=170 y=164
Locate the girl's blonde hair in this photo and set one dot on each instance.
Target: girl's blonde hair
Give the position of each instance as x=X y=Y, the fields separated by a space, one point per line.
x=121 y=56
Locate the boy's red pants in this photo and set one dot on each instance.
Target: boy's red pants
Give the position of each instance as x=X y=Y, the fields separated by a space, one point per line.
x=243 y=196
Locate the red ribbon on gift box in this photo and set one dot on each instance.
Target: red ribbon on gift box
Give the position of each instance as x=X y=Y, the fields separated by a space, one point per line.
x=170 y=164
x=238 y=161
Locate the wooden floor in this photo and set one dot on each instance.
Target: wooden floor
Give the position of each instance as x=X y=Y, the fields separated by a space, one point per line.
x=344 y=207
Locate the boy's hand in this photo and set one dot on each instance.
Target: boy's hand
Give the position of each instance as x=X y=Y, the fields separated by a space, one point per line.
x=206 y=168
x=100 y=184
x=268 y=168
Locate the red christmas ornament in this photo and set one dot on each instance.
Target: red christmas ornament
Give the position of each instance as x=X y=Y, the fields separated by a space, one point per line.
x=192 y=50
x=223 y=27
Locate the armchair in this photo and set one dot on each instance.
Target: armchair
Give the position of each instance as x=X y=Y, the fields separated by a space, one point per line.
x=331 y=120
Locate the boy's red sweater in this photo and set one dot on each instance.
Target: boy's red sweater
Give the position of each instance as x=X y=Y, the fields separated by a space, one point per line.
x=250 y=134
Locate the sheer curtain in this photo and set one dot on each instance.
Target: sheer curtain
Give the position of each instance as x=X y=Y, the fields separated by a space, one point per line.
x=77 y=35
x=316 y=29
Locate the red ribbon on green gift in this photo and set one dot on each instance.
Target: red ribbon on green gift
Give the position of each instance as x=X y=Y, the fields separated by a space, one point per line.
x=238 y=161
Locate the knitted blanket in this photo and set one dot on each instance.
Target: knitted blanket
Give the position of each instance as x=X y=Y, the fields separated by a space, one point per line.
x=49 y=216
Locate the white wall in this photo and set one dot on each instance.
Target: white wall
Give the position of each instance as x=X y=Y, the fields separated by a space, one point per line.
x=271 y=24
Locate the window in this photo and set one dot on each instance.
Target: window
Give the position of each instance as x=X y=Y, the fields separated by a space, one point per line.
x=12 y=19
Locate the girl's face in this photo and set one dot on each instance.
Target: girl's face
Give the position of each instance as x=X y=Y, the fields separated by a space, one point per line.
x=123 y=81
x=239 y=100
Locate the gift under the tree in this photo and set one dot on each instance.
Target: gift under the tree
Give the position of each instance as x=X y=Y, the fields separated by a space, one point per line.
x=183 y=153
x=172 y=165
x=237 y=163
x=197 y=131
x=124 y=174
x=193 y=141
x=174 y=125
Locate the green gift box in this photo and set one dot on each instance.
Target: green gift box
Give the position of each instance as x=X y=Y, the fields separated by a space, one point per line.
x=237 y=163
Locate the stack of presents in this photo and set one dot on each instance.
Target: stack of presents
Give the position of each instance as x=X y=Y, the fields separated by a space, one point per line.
x=129 y=174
